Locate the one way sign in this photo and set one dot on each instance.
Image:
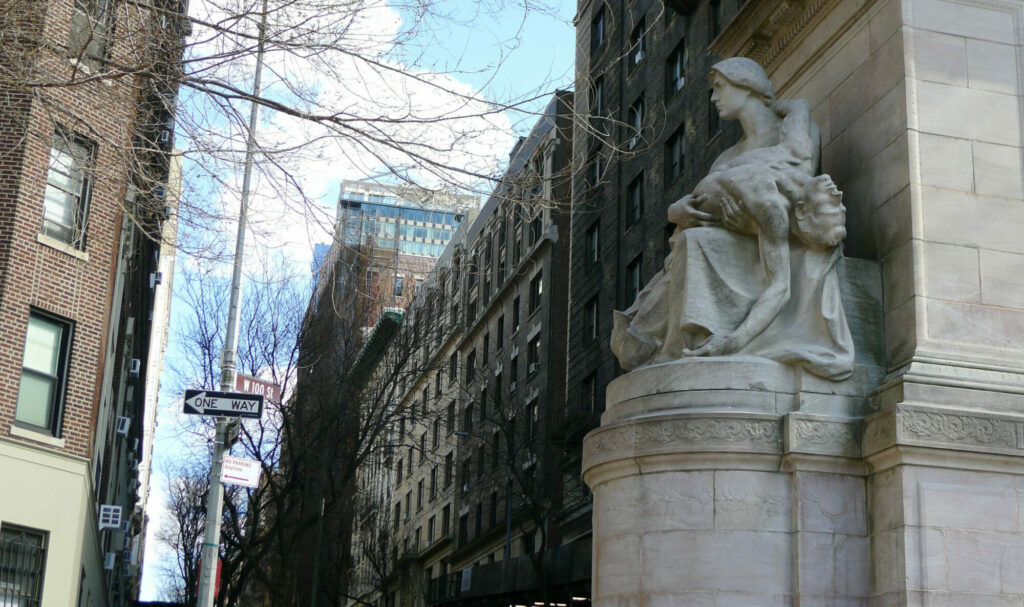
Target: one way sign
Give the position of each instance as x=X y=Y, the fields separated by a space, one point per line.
x=223 y=404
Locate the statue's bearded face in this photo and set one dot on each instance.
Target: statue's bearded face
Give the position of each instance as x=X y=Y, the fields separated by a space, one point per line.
x=727 y=97
x=822 y=217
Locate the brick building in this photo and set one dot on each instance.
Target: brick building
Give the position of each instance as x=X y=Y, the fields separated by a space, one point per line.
x=649 y=134
x=84 y=171
x=475 y=498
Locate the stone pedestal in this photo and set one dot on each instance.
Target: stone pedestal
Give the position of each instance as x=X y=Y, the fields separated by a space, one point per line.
x=714 y=485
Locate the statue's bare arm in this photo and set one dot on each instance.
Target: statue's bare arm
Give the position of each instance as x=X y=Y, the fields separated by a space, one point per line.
x=773 y=237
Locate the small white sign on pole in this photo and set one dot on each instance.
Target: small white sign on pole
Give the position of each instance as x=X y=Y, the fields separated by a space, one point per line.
x=240 y=471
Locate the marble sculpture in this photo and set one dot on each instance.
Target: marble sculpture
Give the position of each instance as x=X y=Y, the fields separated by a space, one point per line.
x=753 y=264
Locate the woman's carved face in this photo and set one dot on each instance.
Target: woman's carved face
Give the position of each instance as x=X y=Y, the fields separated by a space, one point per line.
x=727 y=97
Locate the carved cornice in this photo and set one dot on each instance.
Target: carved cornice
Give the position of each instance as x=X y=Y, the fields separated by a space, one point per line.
x=921 y=426
x=825 y=436
x=767 y=31
x=683 y=434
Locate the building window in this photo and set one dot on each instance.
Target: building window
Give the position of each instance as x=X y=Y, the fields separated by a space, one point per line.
x=487 y=348
x=44 y=372
x=463 y=529
x=436 y=435
x=471 y=366
x=588 y=395
x=398 y=473
x=597 y=107
x=513 y=373
x=22 y=561
x=483 y=404
x=595 y=170
x=398 y=514
x=590 y=321
x=675 y=155
x=714 y=120
x=467 y=465
x=430 y=530
x=433 y=483
x=533 y=355
x=499 y=343
x=481 y=460
x=632 y=280
x=635 y=200
x=531 y=422
x=448 y=462
x=636 y=44
x=635 y=120
x=597 y=30
x=451 y=417
x=66 y=201
x=536 y=228
x=515 y=314
x=536 y=291
x=593 y=243
x=453 y=367
x=89 y=24
x=419 y=495
x=675 y=70
x=495 y=451
x=423 y=447
x=715 y=17
x=478 y=522
x=398 y=285
x=471 y=311
x=467 y=419
x=446 y=519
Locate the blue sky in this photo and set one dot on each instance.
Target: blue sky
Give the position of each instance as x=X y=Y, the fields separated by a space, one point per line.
x=541 y=60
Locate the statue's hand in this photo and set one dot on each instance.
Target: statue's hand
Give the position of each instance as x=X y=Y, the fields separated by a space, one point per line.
x=734 y=218
x=684 y=213
x=716 y=345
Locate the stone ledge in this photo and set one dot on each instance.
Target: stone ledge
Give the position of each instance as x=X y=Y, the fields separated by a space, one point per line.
x=723 y=432
x=819 y=435
x=940 y=428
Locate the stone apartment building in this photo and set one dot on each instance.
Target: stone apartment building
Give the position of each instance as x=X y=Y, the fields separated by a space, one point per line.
x=647 y=133
x=480 y=506
x=84 y=200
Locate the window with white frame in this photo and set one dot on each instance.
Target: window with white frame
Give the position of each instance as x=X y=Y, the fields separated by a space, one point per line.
x=68 y=189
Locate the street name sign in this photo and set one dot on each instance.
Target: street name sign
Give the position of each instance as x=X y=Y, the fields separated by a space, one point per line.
x=240 y=471
x=223 y=404
x=255 y=385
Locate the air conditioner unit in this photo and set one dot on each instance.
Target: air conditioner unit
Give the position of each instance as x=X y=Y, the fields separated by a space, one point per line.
x=110 y=517
x=165 y=136
x=126 y=557
x=123 y=424
x=159 y=192
x=512 y=386
x=130 y=193
x=135 y=367
x=108 y=561
x=534 y=367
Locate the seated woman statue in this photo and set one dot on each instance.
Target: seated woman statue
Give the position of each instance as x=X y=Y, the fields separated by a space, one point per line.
x=752 y=267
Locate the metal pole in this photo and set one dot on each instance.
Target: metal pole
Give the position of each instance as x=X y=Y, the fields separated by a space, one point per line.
x=215 y=495
x=316 y=559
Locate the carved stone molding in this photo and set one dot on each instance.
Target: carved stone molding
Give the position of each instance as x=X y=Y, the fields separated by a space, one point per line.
x=938 y=428
x=683 y=434
x=820 y=435
x=765 y=31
